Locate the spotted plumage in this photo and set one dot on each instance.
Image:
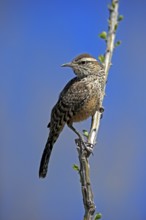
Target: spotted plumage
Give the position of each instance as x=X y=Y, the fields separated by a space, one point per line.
x=79 y=100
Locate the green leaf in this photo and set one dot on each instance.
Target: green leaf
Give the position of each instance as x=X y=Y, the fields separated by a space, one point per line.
x=118 y=43
x=120 y=18
x=75 y=167
x=85 y=133
x=116 y=26
x=103 y=35
x=113 y=4
x=101 y=58
x=98 y=216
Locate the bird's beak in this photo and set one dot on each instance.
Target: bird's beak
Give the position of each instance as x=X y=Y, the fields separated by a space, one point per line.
x=67 y=65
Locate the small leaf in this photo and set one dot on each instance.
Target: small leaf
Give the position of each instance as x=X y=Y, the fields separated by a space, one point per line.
x=75 y=167
x=116 y=26
x=85 y=133
x=113 y=4
x=118 y=43
x=103 y=35
x=120 y=18
x=101 y=58
x=98 y=216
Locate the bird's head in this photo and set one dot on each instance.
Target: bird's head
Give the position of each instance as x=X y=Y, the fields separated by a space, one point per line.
x=84 y=65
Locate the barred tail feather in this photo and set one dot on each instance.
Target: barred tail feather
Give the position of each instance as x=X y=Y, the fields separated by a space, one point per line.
x=45 y=159
x=55 y=129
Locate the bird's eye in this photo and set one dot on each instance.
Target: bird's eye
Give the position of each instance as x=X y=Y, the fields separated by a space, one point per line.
x=82 y=62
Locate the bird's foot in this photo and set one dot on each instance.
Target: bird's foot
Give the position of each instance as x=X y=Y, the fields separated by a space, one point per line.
x=89 y=148
x=101 y=110
x=86 y=146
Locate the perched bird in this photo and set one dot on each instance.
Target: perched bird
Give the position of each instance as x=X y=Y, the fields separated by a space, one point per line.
x=79 y=99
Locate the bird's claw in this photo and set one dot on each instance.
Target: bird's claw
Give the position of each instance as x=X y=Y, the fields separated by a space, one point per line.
x=88 y=147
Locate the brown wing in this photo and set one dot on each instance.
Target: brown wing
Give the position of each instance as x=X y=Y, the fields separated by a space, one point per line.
x=71 y=100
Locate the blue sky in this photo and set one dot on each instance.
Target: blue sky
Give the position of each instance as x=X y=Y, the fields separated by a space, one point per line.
x=36 y=37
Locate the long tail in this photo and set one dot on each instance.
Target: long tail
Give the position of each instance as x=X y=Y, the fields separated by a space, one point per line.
x=58 y=119
x=45 y=158
x=53 y=136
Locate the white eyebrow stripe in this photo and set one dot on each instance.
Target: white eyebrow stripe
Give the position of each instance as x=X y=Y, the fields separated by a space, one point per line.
x=88 y=59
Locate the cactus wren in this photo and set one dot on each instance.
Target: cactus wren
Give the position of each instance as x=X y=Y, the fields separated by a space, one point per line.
x=79 y=99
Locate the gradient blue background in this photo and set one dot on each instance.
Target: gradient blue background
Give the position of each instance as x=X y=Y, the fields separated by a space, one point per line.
x=36 y=37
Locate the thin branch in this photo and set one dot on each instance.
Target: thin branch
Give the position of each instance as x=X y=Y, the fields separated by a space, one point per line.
x=110 y=41
x=83 y=154
x=84 y=173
